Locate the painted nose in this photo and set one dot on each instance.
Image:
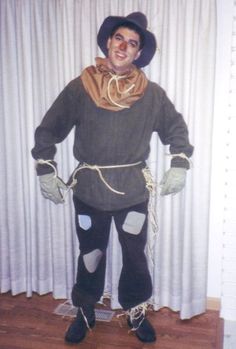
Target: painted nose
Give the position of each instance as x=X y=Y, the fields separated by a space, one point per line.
x=123 y=46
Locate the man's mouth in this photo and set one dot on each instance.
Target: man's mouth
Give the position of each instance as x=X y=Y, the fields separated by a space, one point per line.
x=120 y=56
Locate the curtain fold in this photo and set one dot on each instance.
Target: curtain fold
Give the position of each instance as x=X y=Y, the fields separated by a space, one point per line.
x=45 y=44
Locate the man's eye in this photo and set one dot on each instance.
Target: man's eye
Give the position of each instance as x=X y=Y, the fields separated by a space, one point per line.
x=133 y=44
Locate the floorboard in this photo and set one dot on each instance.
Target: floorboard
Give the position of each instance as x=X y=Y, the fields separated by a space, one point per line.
x=29 y=323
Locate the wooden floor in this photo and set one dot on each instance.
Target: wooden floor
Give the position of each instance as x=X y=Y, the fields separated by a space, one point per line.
x=29 y=323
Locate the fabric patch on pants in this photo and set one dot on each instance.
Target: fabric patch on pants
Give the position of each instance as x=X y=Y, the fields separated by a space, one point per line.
x=84 y=221
x=92 y=259
x=134 y=222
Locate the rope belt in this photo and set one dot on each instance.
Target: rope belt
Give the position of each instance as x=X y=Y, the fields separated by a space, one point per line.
x=98 y=169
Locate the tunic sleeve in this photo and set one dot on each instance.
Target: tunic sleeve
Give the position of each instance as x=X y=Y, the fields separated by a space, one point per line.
x=55 y=126
x=173 y=131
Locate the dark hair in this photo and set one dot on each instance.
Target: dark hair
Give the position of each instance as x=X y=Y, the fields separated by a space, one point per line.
x=130 y=26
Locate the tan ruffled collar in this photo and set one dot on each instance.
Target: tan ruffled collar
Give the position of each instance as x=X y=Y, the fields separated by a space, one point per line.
x=111 y=91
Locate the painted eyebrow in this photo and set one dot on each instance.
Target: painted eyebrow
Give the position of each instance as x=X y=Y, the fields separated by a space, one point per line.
x=135 y=42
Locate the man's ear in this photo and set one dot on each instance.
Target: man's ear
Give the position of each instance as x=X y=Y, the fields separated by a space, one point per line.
x=108 y=43
x=138 y=55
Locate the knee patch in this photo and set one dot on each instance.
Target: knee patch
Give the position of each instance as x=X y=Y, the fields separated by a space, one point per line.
x=133 y=223
x=92 y=259
x=84 y=221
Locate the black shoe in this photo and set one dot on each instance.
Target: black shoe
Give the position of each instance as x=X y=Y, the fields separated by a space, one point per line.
x=142 y=328
x=84 y=321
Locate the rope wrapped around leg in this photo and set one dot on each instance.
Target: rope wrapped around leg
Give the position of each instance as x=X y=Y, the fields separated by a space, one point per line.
x=139 y=324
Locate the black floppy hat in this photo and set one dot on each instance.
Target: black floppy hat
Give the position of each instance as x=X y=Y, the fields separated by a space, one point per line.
x=140 y=20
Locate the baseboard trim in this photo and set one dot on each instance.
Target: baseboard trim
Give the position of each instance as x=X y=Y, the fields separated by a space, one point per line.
x=213 y=303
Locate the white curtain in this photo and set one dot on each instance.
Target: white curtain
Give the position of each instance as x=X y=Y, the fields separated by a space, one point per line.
x=45 y=44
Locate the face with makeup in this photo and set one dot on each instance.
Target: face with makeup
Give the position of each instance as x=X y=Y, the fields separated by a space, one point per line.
x=123 y=48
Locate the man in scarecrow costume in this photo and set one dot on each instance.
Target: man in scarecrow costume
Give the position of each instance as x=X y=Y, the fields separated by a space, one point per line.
x=114 y=109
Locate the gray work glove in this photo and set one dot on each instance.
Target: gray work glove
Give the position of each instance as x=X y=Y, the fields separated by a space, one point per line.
x=50 y=186
x=173 y=180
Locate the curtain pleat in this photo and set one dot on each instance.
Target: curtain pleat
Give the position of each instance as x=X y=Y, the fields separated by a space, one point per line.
x=45 y=44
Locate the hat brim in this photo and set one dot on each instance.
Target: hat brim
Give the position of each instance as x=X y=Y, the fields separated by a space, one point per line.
x=105 y=30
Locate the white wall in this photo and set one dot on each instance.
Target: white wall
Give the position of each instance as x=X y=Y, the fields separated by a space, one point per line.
x=223 y=62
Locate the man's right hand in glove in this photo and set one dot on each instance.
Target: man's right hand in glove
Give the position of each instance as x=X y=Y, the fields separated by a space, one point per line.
x=51 y=186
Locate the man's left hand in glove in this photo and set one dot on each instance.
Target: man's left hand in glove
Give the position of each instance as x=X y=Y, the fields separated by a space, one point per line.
x=173 y=180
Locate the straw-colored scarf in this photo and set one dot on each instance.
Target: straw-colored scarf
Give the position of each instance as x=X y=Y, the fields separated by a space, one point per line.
x=111 y=91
